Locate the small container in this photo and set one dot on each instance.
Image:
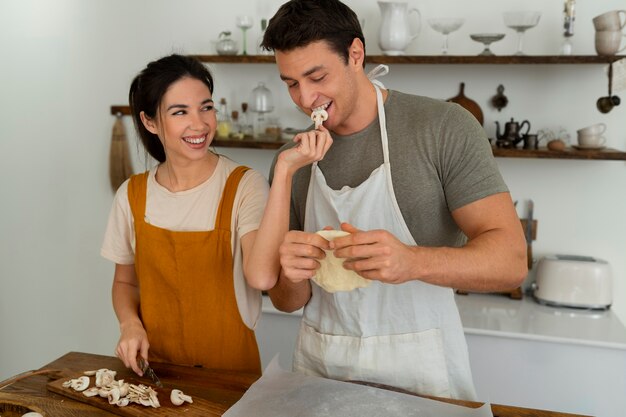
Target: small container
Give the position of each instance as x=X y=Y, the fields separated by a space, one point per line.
x=225 y=45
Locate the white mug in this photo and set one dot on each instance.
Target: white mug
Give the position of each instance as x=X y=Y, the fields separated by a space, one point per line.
x=608 y=42
x=597 y=129
x=591 y=141
x=609 y=21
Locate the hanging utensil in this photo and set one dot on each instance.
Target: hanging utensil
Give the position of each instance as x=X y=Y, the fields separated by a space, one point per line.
x=467 y=103
x=606 y=104
x=119 y=158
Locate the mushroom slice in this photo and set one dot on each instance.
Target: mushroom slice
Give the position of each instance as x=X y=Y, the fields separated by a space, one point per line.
x=90 y=373
x=80 y=384
x=123 y=402
x=114 y=395
x=178 y=397
x=318 y=116
x=91 y=392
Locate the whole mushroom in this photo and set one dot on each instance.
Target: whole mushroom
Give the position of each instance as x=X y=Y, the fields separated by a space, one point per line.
x=178 y=397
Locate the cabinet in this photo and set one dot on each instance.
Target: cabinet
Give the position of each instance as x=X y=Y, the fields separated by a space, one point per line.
x=542 y=153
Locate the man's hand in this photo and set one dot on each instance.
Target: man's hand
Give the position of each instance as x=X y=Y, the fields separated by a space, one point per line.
x=300 y=254
x=375 y=254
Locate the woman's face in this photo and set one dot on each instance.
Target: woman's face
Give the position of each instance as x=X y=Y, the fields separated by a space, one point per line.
x=186 y=120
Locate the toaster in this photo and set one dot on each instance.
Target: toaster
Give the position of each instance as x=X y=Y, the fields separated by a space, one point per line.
x=574 y=281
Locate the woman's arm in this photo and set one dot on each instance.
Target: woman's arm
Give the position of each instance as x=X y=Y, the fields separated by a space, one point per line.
x=133 y=337
x=261 y=263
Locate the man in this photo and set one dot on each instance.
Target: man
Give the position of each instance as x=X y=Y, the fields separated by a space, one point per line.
x=414 y=182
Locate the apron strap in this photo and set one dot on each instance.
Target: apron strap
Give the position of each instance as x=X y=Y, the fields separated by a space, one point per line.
x=137 y=190
x=225 y=209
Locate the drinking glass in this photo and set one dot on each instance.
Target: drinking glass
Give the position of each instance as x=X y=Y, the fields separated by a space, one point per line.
x=445 y=26
x=521 y=22
x=244 y=22
x=486 y=39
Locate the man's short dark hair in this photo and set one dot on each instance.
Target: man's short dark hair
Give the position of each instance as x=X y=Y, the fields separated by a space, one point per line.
x=298 y=23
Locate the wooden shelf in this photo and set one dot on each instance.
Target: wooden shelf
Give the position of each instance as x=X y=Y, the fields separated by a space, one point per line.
x=606 y=154
x=435 y=59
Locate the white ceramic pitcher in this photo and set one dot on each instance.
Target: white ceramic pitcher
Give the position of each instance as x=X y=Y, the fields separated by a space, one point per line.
x=395 y=30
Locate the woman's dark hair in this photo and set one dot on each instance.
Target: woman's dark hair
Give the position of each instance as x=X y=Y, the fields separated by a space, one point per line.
x=297 y=23
x=149 y=87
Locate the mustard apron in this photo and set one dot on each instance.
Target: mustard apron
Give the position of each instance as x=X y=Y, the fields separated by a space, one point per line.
x=186 y=287
x=407 y=335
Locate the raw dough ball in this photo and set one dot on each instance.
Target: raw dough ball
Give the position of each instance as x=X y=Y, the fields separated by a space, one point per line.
x=332 y=276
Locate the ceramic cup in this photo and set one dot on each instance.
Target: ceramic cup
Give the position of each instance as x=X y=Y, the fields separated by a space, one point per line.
x=610 y=21
x=591 y=141
x=597 y=130
x=608 y=42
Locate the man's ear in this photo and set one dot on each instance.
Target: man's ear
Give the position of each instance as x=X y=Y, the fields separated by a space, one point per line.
x=148 y=123
x=356 y=52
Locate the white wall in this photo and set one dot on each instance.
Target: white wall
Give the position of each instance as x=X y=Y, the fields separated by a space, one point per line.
x=65 y=62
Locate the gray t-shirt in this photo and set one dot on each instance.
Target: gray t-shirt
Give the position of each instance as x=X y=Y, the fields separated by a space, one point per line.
x=440 y=161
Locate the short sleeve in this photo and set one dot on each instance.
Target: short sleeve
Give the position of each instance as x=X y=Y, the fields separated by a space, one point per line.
x=253 y=194
x=119 y=237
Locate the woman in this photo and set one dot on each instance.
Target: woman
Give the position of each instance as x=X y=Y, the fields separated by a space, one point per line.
x=185 y=234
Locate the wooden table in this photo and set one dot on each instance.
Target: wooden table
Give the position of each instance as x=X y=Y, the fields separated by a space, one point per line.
x=219 y=388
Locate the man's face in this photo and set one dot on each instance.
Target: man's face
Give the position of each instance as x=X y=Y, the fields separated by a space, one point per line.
x=316 y=76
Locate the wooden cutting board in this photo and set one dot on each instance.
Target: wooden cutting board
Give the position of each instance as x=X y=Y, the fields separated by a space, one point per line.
x=199 y=407
x=467 y=103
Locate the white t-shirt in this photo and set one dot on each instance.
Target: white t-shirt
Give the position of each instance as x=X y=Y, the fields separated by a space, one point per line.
x=194 y=210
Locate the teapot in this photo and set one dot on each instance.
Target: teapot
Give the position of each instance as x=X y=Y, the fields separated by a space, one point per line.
x=511 y=135
x=395 y=34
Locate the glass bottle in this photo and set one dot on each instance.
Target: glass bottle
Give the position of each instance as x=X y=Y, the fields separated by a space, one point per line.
x=224 y=125
x=235 y=132
x=259 y=49
x=244 y=122
x=262 y=102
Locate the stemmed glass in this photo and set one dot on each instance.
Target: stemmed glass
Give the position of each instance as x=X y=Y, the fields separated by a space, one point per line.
x=244 y=23
x=521 y=22
x=486 y=39
x=445 y=26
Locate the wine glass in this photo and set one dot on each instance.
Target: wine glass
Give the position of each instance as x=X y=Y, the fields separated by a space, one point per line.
x=486 y=39
x=521 y=22
x=244 y=23
x=445 y=26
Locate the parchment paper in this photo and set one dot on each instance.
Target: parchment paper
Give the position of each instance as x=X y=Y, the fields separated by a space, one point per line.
x=281 y=393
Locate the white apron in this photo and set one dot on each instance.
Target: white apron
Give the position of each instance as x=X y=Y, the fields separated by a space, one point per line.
x=408 y=335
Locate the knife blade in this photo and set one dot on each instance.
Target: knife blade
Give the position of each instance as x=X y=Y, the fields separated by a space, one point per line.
x=529 y=233
x=149 y=372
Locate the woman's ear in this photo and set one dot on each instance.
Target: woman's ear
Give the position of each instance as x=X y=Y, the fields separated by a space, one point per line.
x=148 y=123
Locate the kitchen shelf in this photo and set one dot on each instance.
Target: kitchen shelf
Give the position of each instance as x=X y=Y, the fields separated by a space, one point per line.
x=606 y=154
x=435 y=59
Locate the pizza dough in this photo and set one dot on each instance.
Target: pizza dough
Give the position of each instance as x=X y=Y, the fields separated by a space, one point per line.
x=332 y=276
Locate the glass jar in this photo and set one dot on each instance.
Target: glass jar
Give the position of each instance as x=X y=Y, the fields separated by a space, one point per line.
x=225 y=45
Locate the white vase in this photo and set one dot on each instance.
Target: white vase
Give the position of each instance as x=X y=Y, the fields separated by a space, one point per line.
x=395 y=33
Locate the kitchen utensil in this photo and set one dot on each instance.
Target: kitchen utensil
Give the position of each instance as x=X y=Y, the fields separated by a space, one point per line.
x=225 y=45
x=120 y=166
x=486 y=39
x=445 y=26
x=530 y=141
x=499 y=101
x=149 y=372
x=511 y=135
x=395 y=34
x=610 y=20
x=244 y=22
x=467 y=103
x=529 y=233
x=606 y=104
x=574 y=281
x=607 y=42
x=521 y=22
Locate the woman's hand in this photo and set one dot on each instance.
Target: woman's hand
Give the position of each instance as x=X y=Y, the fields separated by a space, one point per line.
x=133 y=344
x=312 y=146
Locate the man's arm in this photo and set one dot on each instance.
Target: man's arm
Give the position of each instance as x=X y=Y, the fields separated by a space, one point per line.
x=494 y=258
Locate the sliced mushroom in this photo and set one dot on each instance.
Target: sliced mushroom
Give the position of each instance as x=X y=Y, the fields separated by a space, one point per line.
x=318 y=116
x=178 y=397
x=91 y=392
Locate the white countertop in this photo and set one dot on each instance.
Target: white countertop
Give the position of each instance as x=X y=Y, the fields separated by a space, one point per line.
x=500 y=316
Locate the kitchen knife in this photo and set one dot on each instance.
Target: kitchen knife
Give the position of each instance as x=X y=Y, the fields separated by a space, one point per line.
x=147 y=371
x=529 y=233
